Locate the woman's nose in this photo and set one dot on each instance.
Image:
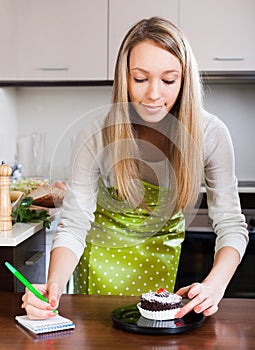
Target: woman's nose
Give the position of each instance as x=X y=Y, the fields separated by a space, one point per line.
x=153 y=91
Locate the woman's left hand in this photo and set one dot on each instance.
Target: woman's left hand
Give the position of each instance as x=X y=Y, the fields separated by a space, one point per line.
x=203 y=298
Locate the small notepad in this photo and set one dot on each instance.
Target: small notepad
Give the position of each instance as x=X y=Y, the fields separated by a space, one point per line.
x=54 y=324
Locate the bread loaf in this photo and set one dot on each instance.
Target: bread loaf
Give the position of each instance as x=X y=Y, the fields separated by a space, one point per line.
x=48 y=196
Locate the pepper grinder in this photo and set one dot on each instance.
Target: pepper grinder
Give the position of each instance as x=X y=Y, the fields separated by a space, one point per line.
x=5 y=199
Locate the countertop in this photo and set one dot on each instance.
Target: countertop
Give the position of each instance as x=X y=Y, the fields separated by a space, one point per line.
x=22 y=231
x=19 y=233
x=232 y=327
x=243 y=187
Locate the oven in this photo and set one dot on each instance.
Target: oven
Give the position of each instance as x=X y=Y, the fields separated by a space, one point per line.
x=198 y=249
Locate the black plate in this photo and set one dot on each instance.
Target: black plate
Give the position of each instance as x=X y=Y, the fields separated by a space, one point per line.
x=129 y=319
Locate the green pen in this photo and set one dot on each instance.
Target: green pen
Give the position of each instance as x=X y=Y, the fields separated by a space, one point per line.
x=27 y=284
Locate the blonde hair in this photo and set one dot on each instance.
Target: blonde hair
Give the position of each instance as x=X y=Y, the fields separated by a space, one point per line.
x=186 y=155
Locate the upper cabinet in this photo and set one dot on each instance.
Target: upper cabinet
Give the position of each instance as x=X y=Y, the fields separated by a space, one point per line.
x=221 y=33
x=124 y=13
x=78 y=40
x=8 y=40
x=59 y=40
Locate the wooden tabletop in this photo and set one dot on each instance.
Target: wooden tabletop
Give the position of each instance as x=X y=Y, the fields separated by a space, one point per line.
x=232 y=327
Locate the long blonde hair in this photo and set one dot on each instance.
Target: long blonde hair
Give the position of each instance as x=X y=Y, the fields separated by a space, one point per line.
x=187 y=163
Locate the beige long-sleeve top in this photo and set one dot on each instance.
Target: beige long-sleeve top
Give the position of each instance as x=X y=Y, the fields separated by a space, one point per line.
x=91 y=159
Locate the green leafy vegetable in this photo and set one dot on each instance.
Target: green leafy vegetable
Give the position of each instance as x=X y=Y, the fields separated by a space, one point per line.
x=26 y=202
x=24 y=214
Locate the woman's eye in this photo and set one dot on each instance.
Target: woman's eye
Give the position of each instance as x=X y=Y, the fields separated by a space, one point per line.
x=168 y=82
x=139 y=80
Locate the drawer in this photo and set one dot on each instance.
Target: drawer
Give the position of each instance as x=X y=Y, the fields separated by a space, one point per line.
x=28 y=257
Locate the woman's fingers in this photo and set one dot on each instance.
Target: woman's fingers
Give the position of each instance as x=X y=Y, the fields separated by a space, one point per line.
x=183 y=292
x=36 y=313
x=211 y=310
x=191 y=305
x=201 y=300
x=35 y=307
x=190 y=291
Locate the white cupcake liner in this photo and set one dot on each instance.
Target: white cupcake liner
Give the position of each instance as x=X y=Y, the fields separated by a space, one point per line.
x=158 y=315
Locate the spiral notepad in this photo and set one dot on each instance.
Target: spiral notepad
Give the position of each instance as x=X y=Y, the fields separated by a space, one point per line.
x=54 y=324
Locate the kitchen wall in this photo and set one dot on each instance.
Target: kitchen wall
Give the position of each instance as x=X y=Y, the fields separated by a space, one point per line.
x=8 y=124
x=57 y=111
x=235 y=105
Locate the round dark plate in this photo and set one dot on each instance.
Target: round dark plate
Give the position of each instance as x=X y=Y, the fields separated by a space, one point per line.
x=129 y=319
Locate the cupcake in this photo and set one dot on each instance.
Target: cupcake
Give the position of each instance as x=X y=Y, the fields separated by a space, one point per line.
x=159 y=305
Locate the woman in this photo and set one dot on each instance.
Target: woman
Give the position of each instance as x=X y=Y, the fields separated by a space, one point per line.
x=136 y=171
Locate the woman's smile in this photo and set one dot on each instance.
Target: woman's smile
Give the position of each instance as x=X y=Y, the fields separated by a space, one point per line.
x=152 y=109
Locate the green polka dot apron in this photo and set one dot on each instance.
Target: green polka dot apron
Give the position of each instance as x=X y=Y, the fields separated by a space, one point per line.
x=130 y=251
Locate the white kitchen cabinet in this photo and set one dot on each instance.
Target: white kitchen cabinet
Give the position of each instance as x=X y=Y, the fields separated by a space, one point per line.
x=54 y=40
x=61 y=40
x=124 y=13
x=221 y=33
x=28 y=256
x=8 y=40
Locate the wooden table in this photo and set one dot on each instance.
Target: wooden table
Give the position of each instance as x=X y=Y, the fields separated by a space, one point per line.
x=233 y=327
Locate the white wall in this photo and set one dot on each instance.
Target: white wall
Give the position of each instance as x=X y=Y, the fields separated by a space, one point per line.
x=8 y=124
x=235 y=105
x=54 y=110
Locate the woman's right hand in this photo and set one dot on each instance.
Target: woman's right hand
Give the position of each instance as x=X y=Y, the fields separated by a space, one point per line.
x=37 y=308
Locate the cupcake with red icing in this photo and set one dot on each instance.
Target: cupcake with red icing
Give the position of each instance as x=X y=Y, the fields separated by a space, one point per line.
x=160 y=305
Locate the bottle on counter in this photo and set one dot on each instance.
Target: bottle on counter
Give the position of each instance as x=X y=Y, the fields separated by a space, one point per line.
x=16 y=170
x=5 y=200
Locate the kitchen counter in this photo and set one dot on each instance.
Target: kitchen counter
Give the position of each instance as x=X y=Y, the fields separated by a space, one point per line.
x=246 y=186
x=19 y=233
x=232 y=327
x=22 y=231
x=24 y=248
x=27 y=247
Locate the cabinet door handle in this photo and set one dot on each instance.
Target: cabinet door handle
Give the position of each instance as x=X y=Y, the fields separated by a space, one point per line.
x=228 y=58
x=34 y=258
x=52 y=68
